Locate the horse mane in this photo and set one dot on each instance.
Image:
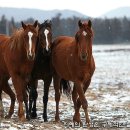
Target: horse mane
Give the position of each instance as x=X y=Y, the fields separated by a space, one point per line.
x=46 y=23
x=89 y=30
x=16 y=39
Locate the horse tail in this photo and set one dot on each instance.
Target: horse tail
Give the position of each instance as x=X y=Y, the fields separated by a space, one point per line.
x=66 y=88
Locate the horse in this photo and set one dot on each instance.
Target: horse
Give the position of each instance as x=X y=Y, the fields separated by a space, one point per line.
x=17 y=54
x=3 y=84
x=72 y=60
x=41 y=69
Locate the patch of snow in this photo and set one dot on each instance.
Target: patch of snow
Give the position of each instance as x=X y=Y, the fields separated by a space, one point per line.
x=12 y=128
x=107 y=96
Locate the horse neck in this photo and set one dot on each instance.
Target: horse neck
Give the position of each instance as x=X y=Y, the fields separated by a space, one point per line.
x=39 y=52
x=19 y=50
x=22 y=51
x=4 y=42
x=39 y=49
x=16 y=40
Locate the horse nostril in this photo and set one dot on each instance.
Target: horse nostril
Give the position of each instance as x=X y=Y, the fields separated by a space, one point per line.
x=49 y=51
x=31 y=57
x=45 y=52
x=84 y=56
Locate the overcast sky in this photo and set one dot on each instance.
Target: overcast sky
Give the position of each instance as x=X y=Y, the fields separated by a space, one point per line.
x=92 y=8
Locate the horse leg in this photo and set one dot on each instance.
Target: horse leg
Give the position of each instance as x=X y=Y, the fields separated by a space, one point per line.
x=19 y=85
x=1 y=110
x=1 y=105
x=34 y=109
x=33 y=98
x=25 y=98
x=82 y=101
x=57 y=96
x=30 y=99
x=47 y=82
x=8 y=90
x=76 y=117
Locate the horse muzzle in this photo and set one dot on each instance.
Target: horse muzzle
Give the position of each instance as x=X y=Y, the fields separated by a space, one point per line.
x=31 y=56
x=84 y=56
x=46 y=52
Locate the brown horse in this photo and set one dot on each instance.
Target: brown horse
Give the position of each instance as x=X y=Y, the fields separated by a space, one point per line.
x=17 y=55
x=3 y=84
x=72 y=60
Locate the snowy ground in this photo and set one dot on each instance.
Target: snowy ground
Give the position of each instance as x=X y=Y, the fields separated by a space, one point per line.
x=108 y=96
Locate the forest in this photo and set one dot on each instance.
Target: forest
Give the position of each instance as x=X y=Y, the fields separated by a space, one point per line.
x=106 y=31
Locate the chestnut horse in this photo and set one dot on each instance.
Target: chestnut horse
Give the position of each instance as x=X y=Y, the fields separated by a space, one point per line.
x=3 y=84
x=17 y=58
x=72 y=60
x=41 y=69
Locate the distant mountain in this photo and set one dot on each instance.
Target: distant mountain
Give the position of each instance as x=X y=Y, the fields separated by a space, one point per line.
x=118 y=13
x=23 y=13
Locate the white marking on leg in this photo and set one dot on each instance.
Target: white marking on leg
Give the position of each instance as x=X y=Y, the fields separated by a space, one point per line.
x=47 y=43
x=30 y=34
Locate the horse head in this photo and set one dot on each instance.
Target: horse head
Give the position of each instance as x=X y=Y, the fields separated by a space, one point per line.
x=30 y=38
x=45 y=36
x=84 y=39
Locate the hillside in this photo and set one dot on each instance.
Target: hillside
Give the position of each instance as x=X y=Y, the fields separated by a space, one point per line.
x=118 y=13
x=23 y=13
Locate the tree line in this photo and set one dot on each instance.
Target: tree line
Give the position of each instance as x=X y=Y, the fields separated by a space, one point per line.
x=106 y=31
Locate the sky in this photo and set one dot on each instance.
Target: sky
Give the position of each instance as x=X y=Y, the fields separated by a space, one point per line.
x=92 y=8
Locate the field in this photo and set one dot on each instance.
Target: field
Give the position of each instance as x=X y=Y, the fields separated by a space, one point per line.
x=108 y=96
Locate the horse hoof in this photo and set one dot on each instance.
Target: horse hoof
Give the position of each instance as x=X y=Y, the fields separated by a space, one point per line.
x=45 y=118
x=1 y=116
x=7 y=116
x=22 y=119
x=33 y=115
x=76 y=118
x=57 y=119
x=88 y=123
x=28 y=117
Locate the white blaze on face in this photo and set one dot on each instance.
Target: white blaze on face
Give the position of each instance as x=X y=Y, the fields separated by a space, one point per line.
x=84 y=33
x=30 y=34
x=47 y=43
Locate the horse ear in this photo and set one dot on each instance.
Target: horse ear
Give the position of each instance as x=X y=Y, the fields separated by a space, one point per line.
x=23 y=25
x=50 y=23
x=80 y=24
x=90 y=23
x=35 y=24
x=38 y=24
